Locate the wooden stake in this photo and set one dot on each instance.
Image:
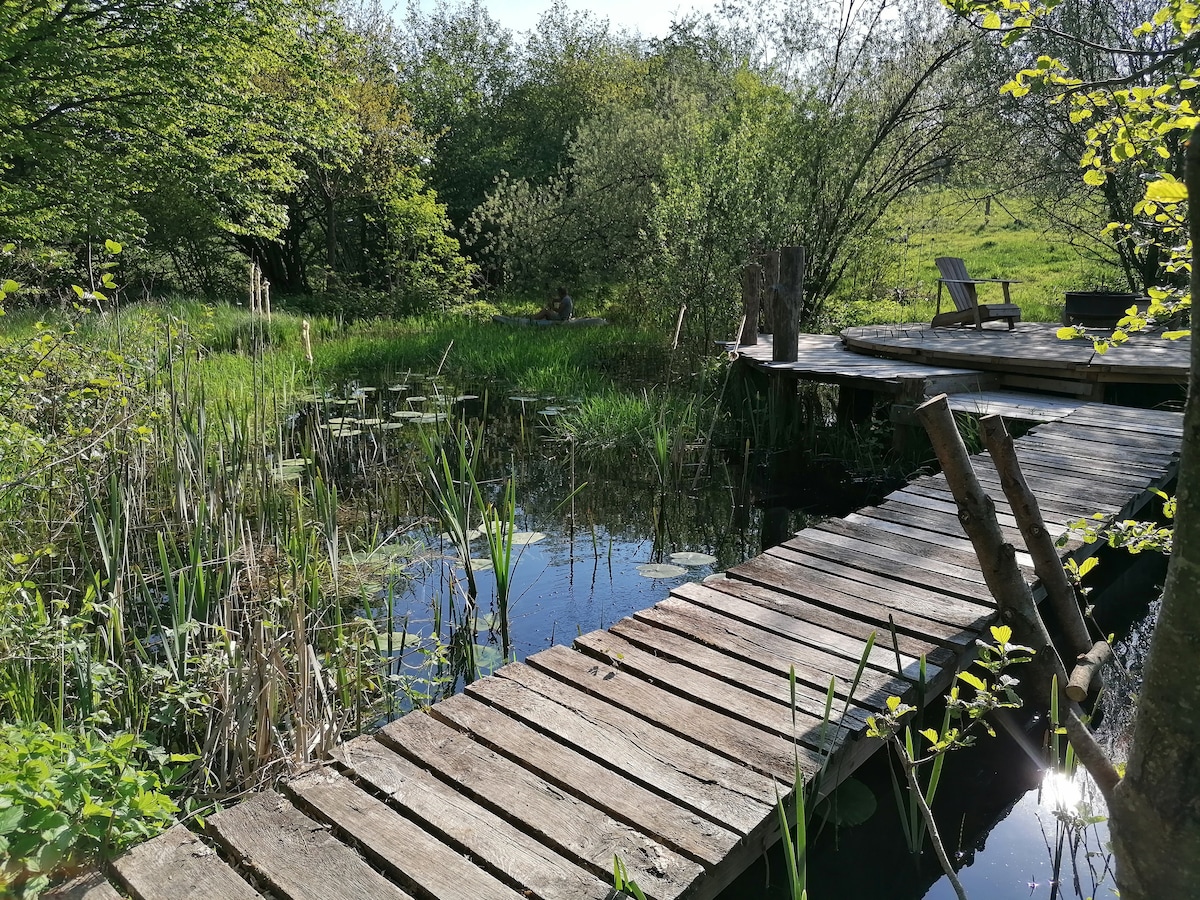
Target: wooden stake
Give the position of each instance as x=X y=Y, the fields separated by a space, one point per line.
x=1028 y=514
x=770 y=273
x=751 y=278
x=789 y=302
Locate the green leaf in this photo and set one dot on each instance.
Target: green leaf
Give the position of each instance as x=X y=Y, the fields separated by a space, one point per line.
x=973 y=680
x=1166 y=191
x=1001 y=634
x=992 y=20
x=10 y=286
x=112 y=246
x=1094 y=177
x=10 y=818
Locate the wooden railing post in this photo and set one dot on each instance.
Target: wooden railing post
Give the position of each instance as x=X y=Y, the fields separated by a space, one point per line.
x=770 y=270
x=751 y=279
x=789 y=301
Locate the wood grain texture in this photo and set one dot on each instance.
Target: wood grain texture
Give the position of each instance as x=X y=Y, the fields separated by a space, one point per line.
x=725 y=792
x=557 y=818
x=407 y=853
x=178 y=865
x=92 y=886
x=498 y=845
x=294 y=856
x=624 y=799
x=761 y=750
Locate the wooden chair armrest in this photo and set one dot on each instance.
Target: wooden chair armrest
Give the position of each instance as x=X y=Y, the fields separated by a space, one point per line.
x=980 y=280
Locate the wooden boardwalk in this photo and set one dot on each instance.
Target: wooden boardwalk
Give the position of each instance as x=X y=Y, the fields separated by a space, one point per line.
x=664 y=739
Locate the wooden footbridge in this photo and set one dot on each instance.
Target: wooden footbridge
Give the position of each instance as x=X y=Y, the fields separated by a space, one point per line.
x=664 y=740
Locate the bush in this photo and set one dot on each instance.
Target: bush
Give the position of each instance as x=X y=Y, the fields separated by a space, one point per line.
x=69 y=799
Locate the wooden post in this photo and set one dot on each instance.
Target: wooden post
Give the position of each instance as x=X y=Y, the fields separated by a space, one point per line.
x=751 y=278
x=789 y=301
x=997 y=557
x=998 y=561
x=1028 y=514
x=266 y=296
x=770 y=270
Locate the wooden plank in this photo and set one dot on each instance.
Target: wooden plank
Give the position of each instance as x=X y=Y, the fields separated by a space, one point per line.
x=561 y=820
x=760 y=750
x=627 y=801
x=498 y=845
x=949 y=605
x=866 y=519
x=915 y=543
x=286 y=849
x=843 y=594
x=841 y=620
x=936 y=489
x=724 y=792
x=406 y=852
x=178 y=865
x=846 y=546
x=829 y=640
x=92 y=886
x=748 y=706
x=765 y=681
x=813 y=668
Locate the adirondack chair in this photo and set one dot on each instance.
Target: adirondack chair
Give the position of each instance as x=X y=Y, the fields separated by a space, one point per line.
x=968 y=310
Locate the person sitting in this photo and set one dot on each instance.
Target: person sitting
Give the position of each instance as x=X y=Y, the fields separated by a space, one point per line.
x=559 y=309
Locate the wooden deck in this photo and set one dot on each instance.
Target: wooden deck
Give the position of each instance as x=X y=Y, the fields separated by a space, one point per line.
x=1030 y=356
x=663 y=740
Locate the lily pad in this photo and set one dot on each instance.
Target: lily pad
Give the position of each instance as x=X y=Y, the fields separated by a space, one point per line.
x=407 y=414
x=660 y=570
x=488 y=658
x=398 y=388
x=551 y=411
x=345 y=432
x=523 y=399
x=341 y=420
x=369 y=422
x=851 y=803
x=399 y=640
x=430 y=418
x=689 y=558
x=481 y=564
x=521 y=538
x=417 y=399
x=391 y=426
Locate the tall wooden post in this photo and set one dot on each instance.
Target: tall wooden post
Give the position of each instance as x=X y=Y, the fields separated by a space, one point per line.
x=789 y=301
x=770 y=270
x=751 y=279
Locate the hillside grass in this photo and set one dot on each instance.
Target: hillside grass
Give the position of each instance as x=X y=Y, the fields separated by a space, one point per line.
x=1006 y=241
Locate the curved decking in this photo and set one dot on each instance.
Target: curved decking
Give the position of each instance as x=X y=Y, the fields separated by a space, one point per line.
x=1031 y=350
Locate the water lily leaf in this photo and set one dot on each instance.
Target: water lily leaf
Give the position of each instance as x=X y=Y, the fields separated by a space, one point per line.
x=521 y=538
x=660 y=570
x=523 y=399
x=551 y=411
x=417 y=399
x=369 y=422
x=852 y=803
x=399 y=640
x=407 y=414
x=481 y=564
x=488 y=658
x=689 y=558
x=398 y=388
x=341 y=420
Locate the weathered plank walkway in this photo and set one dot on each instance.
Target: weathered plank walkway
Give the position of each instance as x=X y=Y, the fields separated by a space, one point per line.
x=663 y=740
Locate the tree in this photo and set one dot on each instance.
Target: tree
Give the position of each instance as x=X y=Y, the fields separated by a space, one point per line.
x=102 y=101
x=1135 y=120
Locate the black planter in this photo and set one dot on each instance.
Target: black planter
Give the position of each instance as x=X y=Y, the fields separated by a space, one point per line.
x=1099 y=309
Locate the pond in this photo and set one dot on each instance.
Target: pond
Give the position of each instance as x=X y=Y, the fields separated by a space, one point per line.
x=595 y=536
